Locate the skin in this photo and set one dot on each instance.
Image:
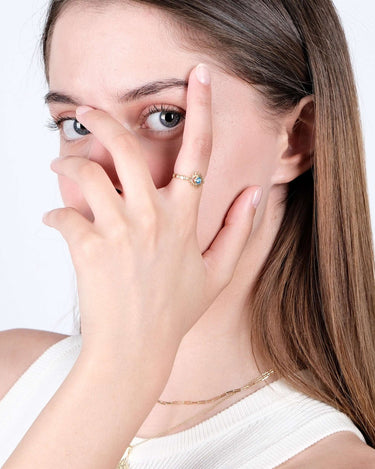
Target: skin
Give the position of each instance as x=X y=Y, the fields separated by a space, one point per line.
x=162 y=285
x=248 y=149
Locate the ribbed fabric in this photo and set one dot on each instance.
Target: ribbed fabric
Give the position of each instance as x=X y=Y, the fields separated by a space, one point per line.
x=20 y=407
x=260 y=431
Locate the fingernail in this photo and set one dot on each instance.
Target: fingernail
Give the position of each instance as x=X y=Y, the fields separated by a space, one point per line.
x=83 y=109
x=257 y=197
x=203 y=74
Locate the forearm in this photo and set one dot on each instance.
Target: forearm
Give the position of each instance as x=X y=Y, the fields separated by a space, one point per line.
x=96 y=412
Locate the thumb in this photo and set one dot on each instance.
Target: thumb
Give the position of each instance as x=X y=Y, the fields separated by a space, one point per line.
x=224 y=253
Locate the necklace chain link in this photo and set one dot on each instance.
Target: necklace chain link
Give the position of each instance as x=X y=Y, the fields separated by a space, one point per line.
x=125 y=463
x=260 y=378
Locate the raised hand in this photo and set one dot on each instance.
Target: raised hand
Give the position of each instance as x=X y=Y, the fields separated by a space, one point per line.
x=138 y=264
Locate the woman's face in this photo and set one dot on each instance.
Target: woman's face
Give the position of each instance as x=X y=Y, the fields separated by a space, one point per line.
x=99 y=55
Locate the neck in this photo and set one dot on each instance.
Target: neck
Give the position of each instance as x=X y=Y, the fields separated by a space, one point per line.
x=216 y=355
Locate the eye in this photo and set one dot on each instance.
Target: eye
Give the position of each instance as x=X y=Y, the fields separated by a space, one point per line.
x=163 y=119
x=71 y=128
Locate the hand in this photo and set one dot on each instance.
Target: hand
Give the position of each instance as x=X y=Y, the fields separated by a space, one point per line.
x=138 y=264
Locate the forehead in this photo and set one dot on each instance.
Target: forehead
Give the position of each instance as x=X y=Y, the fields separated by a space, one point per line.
x=115 y=46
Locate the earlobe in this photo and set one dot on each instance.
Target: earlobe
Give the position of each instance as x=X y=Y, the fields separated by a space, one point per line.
x=299 y=136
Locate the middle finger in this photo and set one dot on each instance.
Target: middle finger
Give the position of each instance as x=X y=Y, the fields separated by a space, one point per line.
x=130 y=164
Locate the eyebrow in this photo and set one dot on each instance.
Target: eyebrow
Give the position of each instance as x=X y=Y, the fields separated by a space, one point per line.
x=148 y=89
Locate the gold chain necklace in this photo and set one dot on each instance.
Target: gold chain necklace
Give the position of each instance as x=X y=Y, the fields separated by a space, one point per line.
x=124 y=462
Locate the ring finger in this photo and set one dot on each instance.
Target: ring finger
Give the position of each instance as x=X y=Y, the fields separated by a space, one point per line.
x=194 y=156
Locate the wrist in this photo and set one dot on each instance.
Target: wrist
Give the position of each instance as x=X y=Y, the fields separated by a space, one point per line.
x=148 y=360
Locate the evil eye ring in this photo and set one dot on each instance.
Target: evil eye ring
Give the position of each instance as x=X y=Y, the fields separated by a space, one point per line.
x=196 y=179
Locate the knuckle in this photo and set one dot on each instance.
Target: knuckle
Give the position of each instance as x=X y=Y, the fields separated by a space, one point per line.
x=88 y=170
x=148 y=221
x=202 y=144
x=203 y=100
x=119 y=232
x=88 y=246
x=123 y=141
x=146 y=214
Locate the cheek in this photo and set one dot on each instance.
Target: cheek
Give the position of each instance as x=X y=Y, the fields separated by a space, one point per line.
x=241 y=158
x=161 y=157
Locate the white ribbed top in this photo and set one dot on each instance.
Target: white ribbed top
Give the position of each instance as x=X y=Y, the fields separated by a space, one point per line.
x=260 y=431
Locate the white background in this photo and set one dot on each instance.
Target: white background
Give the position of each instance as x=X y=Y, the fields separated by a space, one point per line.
x=36 y=276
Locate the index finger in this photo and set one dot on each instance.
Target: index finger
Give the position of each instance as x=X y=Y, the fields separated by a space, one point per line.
x=130 y=164
x=195 y=152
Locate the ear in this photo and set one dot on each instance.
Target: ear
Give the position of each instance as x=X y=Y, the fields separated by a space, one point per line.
x=298 y=136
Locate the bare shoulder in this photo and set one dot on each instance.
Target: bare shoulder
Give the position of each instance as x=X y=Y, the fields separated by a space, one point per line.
x=341 y=450
x=19 y=348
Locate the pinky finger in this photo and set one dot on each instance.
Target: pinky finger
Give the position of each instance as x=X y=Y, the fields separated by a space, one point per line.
x=70 y=223
x=224 y=253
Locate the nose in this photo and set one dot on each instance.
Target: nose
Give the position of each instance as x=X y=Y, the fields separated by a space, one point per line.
x=160 y=159
x=98 y=153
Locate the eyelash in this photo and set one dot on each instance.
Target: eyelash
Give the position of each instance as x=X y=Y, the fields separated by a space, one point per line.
x=163 y=108
x=55 y=123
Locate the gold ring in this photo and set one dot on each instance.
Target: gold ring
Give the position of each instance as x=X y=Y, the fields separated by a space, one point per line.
x=196 y=179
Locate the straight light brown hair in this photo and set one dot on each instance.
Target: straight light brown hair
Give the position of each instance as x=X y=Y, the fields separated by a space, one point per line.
x=313 y=305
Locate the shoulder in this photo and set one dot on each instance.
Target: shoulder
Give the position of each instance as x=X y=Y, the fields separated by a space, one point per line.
x=341 y=450
x=19 y=348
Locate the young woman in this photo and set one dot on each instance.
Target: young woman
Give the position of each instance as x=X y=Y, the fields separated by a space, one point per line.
x=216 y=213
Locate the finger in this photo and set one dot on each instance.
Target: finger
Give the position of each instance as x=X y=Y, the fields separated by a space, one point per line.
x=73 y=226
x=106 y=204
x=223 y=255
x=131 y=166
x=196 y=146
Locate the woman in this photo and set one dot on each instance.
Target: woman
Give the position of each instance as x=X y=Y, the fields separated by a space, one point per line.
x=217 y=217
